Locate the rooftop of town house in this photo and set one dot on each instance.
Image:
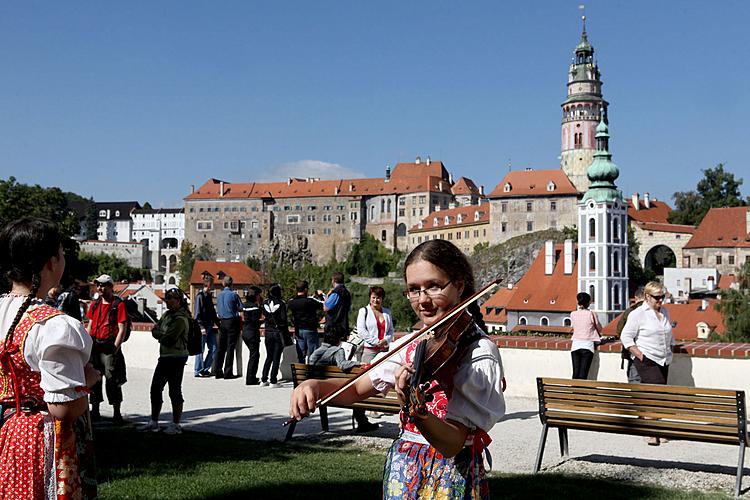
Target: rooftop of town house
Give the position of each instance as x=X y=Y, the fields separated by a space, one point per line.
x=464 y=185
x=469 y=215
x=656 y=211
x=665 y=228
x=241 y=274
x=552 y=182
x=723 y=228
x=115 y=210
x=155 y=211
x=498 y=300
x=726 y=281
x=685 y=319
x=538 y=291
x=406 y=178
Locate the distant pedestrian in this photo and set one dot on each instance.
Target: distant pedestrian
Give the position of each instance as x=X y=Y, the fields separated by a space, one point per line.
x=205 y=314
x=252 y=315
x=337 y=305
x=586 y=331
x=375 y=325
x=632 y=373
x=277 y=328
x=229 y=308
x=172 y=333
x=304 y=311
x=69 y=301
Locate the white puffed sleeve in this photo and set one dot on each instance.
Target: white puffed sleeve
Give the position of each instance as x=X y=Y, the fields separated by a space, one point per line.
x=477 y=400
x=383 y=376
x=59 y=348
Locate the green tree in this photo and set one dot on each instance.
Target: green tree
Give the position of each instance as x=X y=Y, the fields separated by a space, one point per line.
x=19 y=200
x=637 y=276
x=735 y=308
x=92 y=265
x=185 y=263
x=718 y=188
x=370 y=258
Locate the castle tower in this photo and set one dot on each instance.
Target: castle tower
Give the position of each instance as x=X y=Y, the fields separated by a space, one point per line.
x=581 y=113
x=603 y=234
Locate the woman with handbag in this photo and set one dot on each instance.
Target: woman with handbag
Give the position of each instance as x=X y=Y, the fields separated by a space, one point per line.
x=375 y=325
x=586 y=331
x=277 y=335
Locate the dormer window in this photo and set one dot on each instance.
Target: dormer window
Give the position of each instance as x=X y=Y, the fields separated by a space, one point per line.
x=476 y=216
x=551 y=186
x=507 y=187
x=435 y=222
x=446 y=220
x=419 y=225
x=102 y=213
x=460 y=218
x=117 y=213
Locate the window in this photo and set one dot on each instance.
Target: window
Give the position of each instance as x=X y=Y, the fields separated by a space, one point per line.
x=616 y=263
x=507 y=187
x=422 y=199
x=553 y=206
x=476 y=233
x=591 y=292
x=293 y=219
x=529 y=206
x=383 y=235
x=401 y=201
x=529 y=225
x=382 y=206
x=616 y=230
x=592 y=229
x=234 y=209
x=616 y=297
x=329 y=207
x=204 y=225
x=567 y=322
x=311 y=230
x=458 y=235
x=401 y=212
x=544 y=321
x=311 y=218
x=592 y=262
x=503 y=226
x=718 y=260
x=466 y=234
x=326 y=230
x=450 y=236
x=254 y=224
x=200 y=209
x=699 y=261
x=388 y=209
x=731 y=260
x=522 y=320
x=504 y=207
x=312 y=207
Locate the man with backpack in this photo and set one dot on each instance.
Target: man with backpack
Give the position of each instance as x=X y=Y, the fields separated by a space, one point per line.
x=109 y=327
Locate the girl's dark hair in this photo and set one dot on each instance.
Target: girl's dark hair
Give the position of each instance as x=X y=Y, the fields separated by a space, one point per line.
x=584 y=299
x=252 y=294
x=275 y=291
x=448 y=258
x=25 y=247
x=378 y=291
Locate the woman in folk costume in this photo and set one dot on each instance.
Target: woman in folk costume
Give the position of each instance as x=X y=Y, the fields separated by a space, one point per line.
x=45 y=440
x=439 y=451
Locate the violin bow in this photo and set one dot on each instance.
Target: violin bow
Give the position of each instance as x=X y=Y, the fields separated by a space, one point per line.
x=424 y=332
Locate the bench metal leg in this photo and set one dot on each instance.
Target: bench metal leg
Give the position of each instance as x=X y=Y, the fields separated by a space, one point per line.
x=290 y=431
x=563 y=436
x=740 y=467
x=324 y=418
x=540 y=451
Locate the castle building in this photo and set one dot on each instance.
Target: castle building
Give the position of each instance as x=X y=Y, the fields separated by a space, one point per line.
x=162 y=231
x=113 y=220
x=582 y=111
x=603 y=235
x=465 y=226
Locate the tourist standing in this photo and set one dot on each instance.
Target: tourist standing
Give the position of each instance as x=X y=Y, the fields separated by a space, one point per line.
x=205 y=313
x=69 y=301
x=439 y=453
x=45 y=440
x=305 y=312
x=375 y=325
x=108 y=323
x=337 y=305
x=229 y=307
x=633 y=377
x=172 y=333
x=252 y=315
x=586 y=332
x=277 y=327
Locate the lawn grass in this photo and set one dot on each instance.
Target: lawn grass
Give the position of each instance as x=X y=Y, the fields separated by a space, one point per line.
x=205 y=466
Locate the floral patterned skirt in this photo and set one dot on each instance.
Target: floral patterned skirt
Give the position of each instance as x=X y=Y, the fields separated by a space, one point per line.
x=418 y=471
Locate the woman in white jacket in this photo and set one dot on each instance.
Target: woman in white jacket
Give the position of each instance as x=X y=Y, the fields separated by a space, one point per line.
x=375 y=325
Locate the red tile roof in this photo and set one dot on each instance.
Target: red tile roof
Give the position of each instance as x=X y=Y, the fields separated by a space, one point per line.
x=537 y=291
x=406 y=178
x=685 y=318
x=543 y=329
x=534 y=183
x=726 y=281
x=657 y=211
x=722 y=227
x=665 y=228
x=465 y=185
x=467 y=214
x=240 y=273
x=500 y=300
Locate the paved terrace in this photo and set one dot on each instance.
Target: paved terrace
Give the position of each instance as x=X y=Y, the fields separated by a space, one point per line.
x=231 y=408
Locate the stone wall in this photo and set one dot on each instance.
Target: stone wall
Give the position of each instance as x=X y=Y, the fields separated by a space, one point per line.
x=134 y=253
x=509 y=216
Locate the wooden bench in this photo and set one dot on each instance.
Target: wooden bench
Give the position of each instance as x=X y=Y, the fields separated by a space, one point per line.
x=664 y=411
x=379 y=403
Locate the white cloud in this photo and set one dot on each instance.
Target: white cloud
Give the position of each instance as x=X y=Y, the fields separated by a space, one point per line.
x=308 y=168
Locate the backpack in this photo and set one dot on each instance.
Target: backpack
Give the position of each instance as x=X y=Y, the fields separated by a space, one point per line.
x=115 y=304
x=194 y=338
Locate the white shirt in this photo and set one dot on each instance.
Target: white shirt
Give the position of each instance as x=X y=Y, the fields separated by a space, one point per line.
x=652 y=335
x=58 y=348
x=477 y=400
x=367 y=326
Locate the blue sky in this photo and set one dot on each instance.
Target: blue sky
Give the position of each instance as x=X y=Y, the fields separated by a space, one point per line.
x=138 y=100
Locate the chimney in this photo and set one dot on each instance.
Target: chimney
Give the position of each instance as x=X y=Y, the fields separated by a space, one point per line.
x=704 y=305
x=635 y=201
x=711 y=282
x=440 y=186
x=418 y=160
x=429 y=160
x=549 y=257
x=288 y=181
x=351 y=187
x=452 y=205
x=221 y=189
x=688 y=286
x=510 y=285
x=192 y=188
x=568 y=257
x=646 y=200
x=387 y=173
x=481 y=192
x=479 y=202
x=437 y=208
x=337 y=190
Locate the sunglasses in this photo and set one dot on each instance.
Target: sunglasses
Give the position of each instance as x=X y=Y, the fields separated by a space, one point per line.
x=657 y=297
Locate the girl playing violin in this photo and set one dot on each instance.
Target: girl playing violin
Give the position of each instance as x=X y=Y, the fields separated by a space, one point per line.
x=439 y=451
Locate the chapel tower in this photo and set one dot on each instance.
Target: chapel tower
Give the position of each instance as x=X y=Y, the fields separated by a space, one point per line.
x=581 y=113
x=603 y=234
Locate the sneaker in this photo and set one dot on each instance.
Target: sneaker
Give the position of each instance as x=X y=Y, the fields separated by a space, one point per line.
x=151 y=426
x=264 y=384
x=374 y=414
x=173 y=428
x=367 y=427
x=276 y=385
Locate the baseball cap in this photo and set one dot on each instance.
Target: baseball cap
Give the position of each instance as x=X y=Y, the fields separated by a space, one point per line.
x=104 y=279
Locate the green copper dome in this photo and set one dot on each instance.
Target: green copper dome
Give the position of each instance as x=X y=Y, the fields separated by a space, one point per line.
x=602 y=172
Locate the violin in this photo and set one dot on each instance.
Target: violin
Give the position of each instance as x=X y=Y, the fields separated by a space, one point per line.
x=442 y=344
